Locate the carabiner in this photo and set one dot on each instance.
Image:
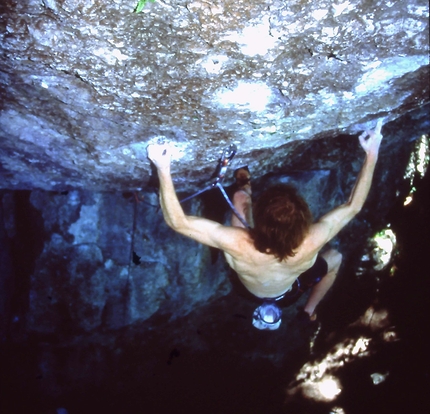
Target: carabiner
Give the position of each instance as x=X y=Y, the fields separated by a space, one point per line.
x=227 y=155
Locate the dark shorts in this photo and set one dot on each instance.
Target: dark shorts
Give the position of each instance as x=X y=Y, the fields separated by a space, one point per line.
x=314 y=274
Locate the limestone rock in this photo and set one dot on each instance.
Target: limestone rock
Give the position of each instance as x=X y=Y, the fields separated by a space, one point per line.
x=86 y=85
x=106 y=264
x=95 y=286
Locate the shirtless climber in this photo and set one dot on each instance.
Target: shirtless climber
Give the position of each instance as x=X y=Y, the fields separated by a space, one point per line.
x=278 y=256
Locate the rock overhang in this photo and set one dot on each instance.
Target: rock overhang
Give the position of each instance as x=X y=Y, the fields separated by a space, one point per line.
x=88 y=84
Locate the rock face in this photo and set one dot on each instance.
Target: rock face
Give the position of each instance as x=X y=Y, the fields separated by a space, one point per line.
x=86 y=84
x=96 y=292
x=89 y=261
x=104 y=308
x=103 y=261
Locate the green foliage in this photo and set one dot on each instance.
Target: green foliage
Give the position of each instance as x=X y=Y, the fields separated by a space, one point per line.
x=141 y=4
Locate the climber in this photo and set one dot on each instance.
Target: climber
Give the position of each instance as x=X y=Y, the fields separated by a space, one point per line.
x=280 y=255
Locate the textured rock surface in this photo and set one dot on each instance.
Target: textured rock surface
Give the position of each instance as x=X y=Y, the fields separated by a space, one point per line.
x=85 y=85
x=87 y=326
x=103 y=262
x=194 y=364
x=89 y=261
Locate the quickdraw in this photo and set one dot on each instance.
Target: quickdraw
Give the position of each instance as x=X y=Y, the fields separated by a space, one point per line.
x=227 y=155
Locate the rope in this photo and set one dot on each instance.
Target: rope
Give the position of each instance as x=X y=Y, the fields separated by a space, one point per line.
x=226 y=157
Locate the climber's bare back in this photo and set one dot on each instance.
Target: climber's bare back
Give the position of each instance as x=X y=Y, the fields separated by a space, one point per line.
x=263 y=274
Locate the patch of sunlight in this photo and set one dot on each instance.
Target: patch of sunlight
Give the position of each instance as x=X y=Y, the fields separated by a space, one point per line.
x=255 y=39
x=408 y=199
x=377 y=378
x=379 y=74
x=314 y=338
x=390 y=335
x=360 y=346
x=213 y=64
x=384 y=244
x=316 y=379
x=373 y=318
x=329 y=387
x=252 y=95
x=342 y=353
x=377 y=320
x=337 y=410
x=418 y=164
x=422 y=149
x=177 y=149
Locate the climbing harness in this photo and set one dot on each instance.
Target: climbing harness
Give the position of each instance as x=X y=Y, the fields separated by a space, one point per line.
x=227 y=155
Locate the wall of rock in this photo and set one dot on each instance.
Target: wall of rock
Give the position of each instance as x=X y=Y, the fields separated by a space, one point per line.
x=90 y=261
x=85 y=85
x=98 y=297
x=99 y=294
x=105 y=262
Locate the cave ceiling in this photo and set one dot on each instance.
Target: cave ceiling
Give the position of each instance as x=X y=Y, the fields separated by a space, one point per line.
x=86 y=84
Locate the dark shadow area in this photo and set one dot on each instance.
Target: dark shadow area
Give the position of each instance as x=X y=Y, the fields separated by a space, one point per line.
x=25 y=247
x=403 y=289
x=212 y=361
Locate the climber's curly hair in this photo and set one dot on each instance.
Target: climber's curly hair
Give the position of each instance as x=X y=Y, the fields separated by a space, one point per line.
x=281 y=221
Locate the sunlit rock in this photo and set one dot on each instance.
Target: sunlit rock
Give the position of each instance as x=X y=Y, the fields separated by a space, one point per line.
x=87 y=84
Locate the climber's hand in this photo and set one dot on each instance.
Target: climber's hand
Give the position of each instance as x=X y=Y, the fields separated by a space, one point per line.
x=160 y=155
x=373 y=141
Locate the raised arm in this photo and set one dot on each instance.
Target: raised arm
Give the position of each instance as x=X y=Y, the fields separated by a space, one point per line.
x=202 y=230
x=331 y=223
